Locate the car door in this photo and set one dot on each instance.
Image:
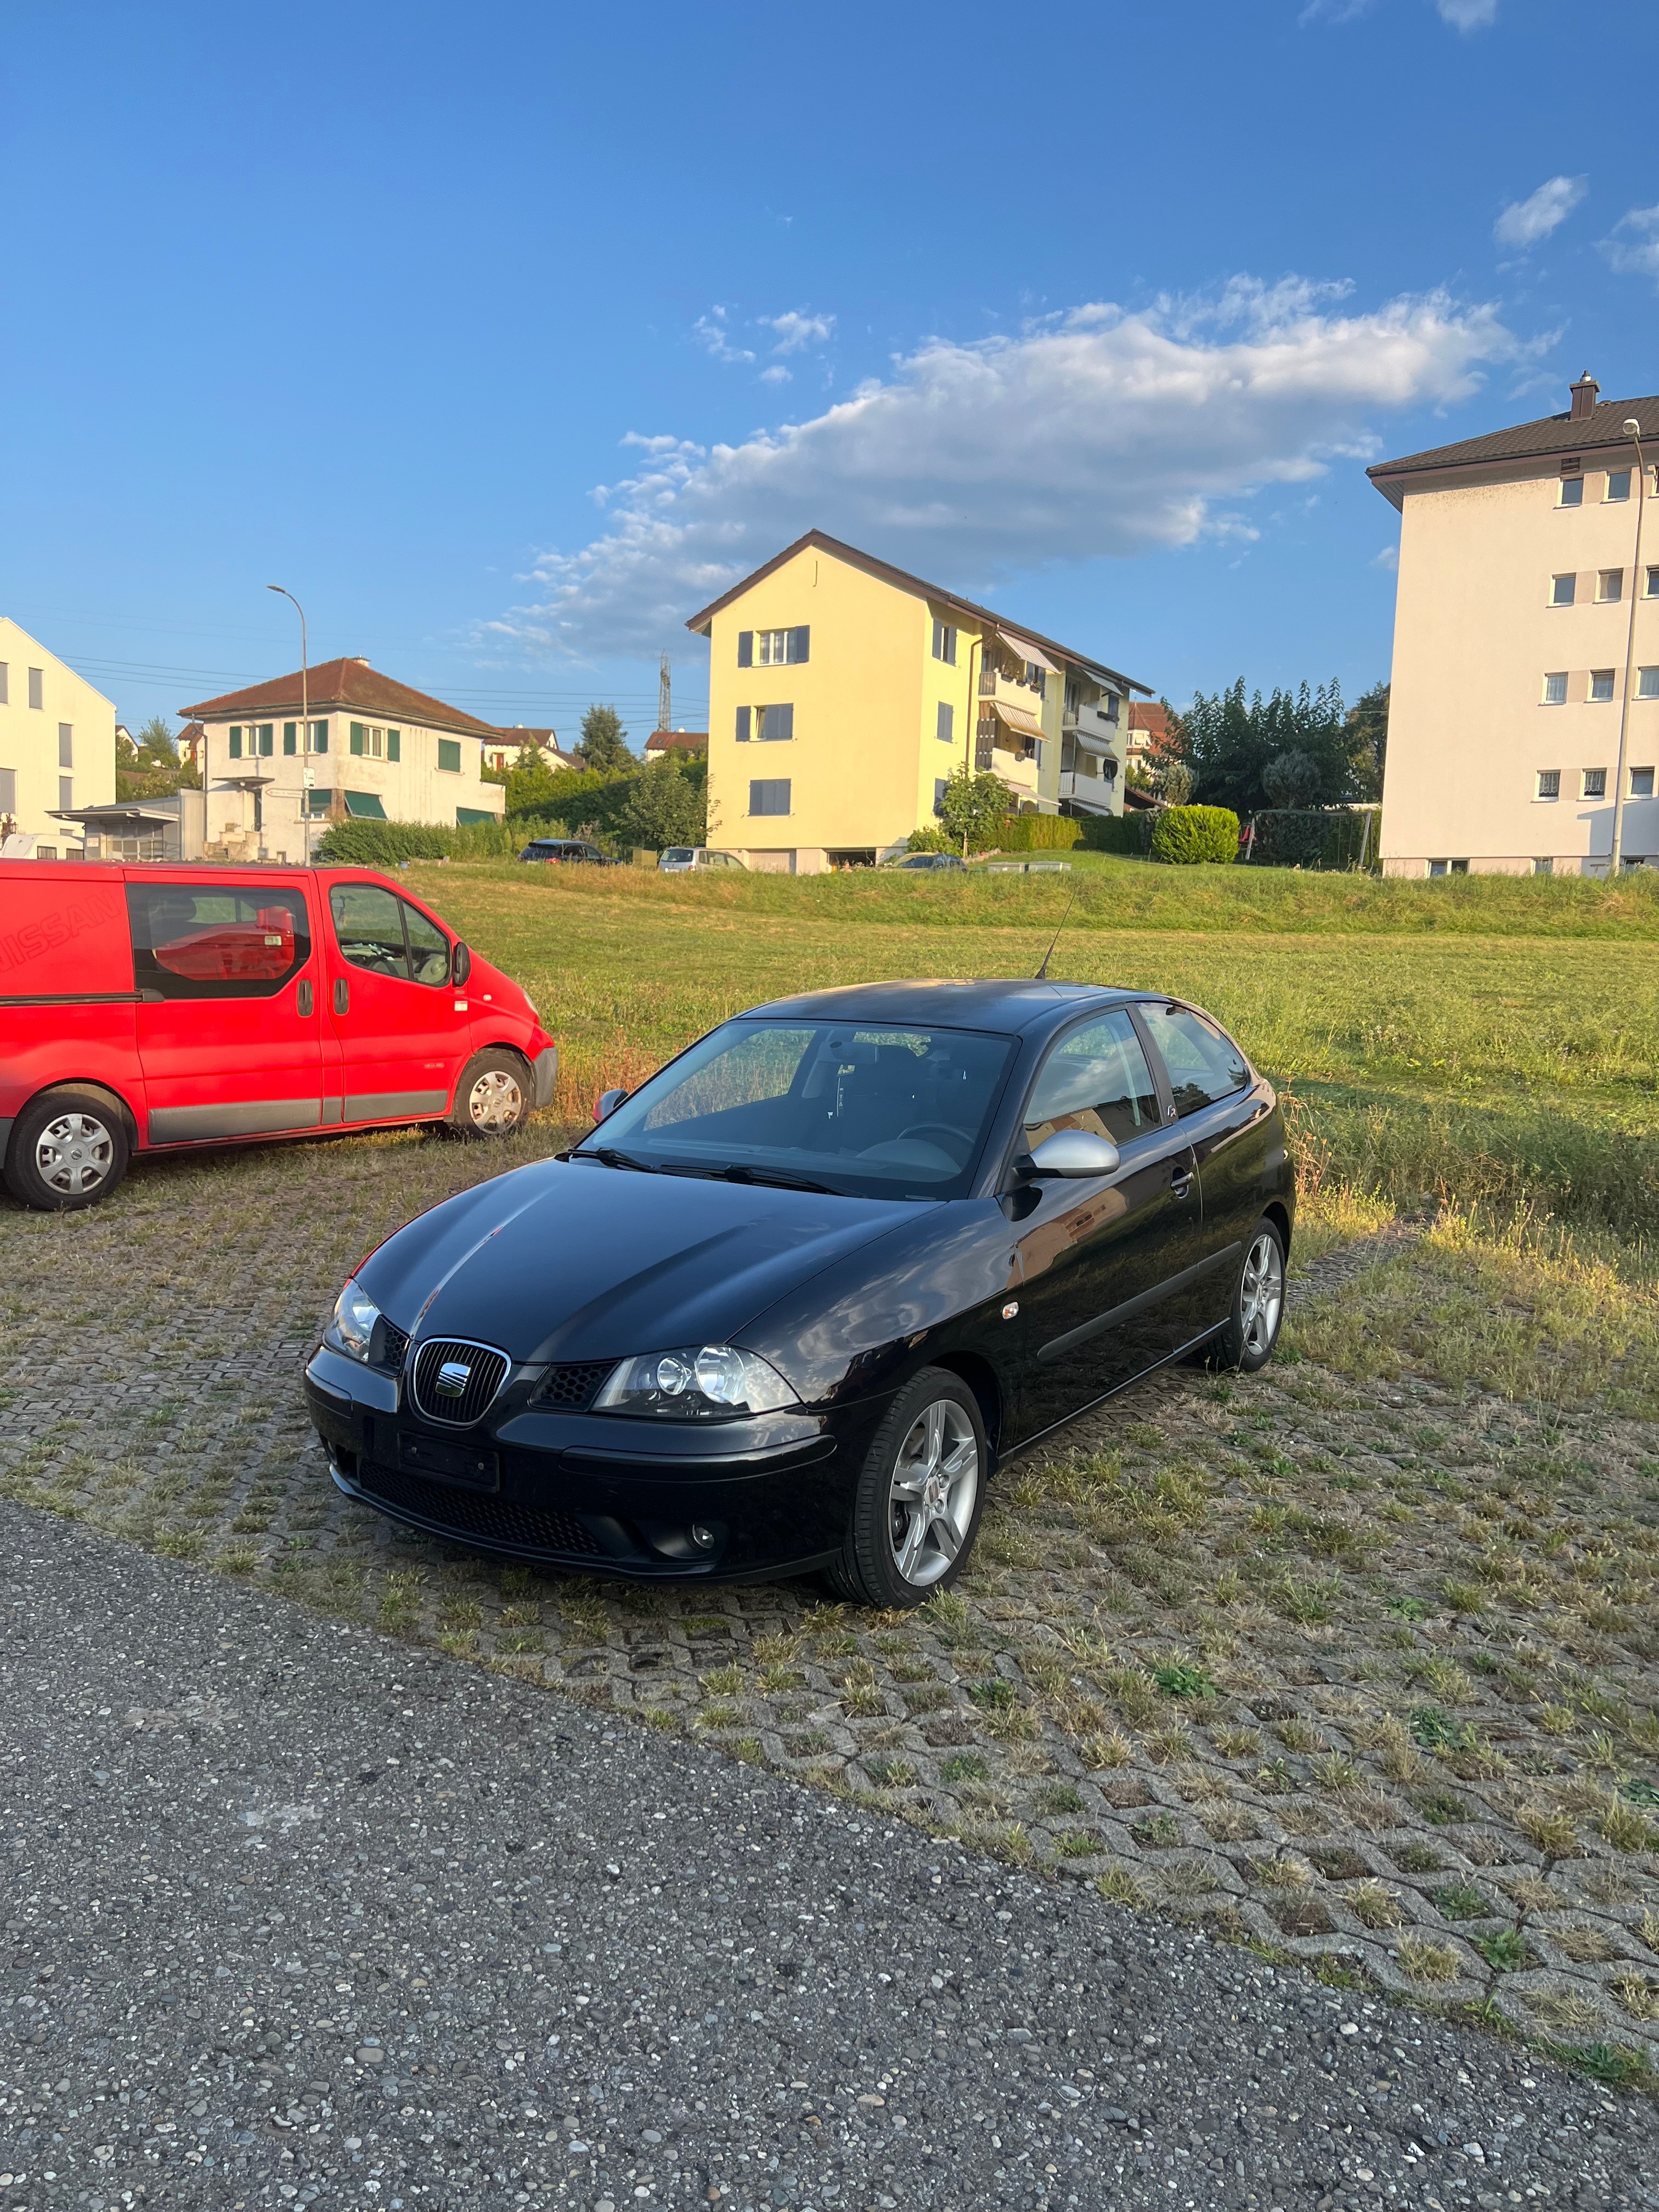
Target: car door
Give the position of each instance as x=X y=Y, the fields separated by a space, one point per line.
x=227 y=974
x=1093 y=1256
x=1223 y=1114
x=404 y=1031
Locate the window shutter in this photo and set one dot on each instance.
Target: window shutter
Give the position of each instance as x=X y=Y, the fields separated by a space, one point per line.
x=235 y=744
x=946 y=719
x=394 y=746
x=800 y=642
x=267 y=739
x=357 y=740
x=786 y=727
x=743 y=721
x=5 y=689
x=320 y=737
x=746 y=648
x=449 y=754
x=290 y=737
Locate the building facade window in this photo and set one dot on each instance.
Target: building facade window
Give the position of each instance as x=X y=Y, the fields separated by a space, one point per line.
x=5 y=684
x=769 y=795
x=1563 y=591
x=1549 y=783
x=66 y=745
x=1609 y=583
x=37 y=690
x=1647 y=683
x=1448 y=867
x=251 y=741
x=945 y=641
x=1544 y=867
x=7 y=791
x=371 y=741
x=1595 y=783
x=945 y=728
x=1618 y=483
x=1555 y=689
x=66 y=794
x=1653 y=580
x=1641 y=783
x=773 y=648
x=449 y=756
x=316 y=738
x=1600 y=685
x=941 y=785
x=1572 y=491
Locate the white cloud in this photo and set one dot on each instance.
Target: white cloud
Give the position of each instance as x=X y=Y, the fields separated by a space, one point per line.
x=1388 y=559
x=1636 y=253
x=1096 y=433
x=776 y=374
x=796 y=332
x=1468 y=15
x=710 y=330
x=1523 y=222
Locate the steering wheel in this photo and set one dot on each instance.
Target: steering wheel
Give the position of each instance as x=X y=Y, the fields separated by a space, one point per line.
x=935 y=1129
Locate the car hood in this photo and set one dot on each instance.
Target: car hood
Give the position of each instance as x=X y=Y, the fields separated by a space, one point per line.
x=559 y=1261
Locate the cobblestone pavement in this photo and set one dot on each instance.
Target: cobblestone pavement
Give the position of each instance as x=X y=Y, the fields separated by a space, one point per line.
x=297 y=1916
x=1359 y=1673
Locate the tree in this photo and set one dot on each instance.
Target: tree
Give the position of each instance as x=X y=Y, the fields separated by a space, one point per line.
x=1230 y=743
x=667 y=802
x=529 y=782
x=972 y=807
x=1292 y=779
x=1368 y=735
x=604 y=746
x=152 y=768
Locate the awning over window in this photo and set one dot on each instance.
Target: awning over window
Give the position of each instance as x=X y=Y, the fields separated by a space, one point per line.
x=466 y=814
x=1016 y=718
x=1090 y=742
x=1022 y=649
x=365 y=805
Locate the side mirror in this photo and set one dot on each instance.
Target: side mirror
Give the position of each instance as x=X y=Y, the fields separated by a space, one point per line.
x=1075 y=1154
x=460 y=964
x=606 y=1104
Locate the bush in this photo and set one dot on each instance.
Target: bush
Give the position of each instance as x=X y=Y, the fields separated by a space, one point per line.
x=387 y=844
x=1119 y=833
x=1184 y=835
x=1038 y=833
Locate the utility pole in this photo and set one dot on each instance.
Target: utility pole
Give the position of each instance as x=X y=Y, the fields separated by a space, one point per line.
x=664 y=697
x=1633 y=430
x=305 y=716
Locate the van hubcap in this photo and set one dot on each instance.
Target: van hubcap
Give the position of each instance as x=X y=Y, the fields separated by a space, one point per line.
x=934 y=1490
x=73 y=1154
x=1261 y=1294
x=496 y=1102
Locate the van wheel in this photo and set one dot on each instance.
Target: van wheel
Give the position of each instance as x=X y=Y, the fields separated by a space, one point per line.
x=492 y=1099
x=68 y=1149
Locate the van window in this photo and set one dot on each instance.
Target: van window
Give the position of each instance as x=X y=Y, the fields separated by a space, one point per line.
x=376 y=930
x=200 y=941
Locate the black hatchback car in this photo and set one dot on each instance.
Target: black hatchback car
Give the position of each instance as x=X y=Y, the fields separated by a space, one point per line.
x=789 y=1304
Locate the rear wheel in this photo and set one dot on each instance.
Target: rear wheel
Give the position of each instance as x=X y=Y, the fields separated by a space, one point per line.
x=1252 y=1330
x=919 y=1495
x=492 y=1099
x=68 y=1149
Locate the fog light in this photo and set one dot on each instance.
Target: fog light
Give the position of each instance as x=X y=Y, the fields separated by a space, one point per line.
x=701 y=1537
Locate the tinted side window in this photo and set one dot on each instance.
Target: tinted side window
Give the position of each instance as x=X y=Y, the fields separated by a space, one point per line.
x=368 y=928
x=1095 y=1078
x=199 y=941
x=1204 y=1065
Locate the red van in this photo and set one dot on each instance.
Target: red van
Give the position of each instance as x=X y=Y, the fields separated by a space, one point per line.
x=146 y=1008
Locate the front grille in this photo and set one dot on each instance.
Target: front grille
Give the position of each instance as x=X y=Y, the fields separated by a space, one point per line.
x=573 y=1387
x=478 y=1369
x=395 y=1349
x=493 y=1519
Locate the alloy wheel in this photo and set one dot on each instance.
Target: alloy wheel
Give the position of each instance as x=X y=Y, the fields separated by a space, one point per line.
x=933 y=1492
x=1262 y=1295
x=496 y=1102
x=73 y=1154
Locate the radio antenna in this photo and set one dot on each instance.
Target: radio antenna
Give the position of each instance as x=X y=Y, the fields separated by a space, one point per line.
x=1042 y=975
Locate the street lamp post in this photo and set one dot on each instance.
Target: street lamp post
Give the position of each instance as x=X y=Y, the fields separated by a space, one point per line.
x=1633 y=430
x=304 y=710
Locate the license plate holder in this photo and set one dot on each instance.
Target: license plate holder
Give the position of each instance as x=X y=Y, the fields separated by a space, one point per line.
x=440 y=1461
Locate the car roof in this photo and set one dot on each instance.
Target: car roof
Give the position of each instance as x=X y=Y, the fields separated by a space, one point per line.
x=1010 y=1005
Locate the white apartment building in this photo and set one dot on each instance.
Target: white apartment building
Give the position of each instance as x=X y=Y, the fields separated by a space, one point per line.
x=56 y=747
x=365 y=747
x=1525 y=647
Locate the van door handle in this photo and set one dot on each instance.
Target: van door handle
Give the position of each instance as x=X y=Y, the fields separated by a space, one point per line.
x=1180 y=1182
x=342 y=995
x=305 y=999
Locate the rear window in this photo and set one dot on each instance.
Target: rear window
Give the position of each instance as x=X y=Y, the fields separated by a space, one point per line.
x=201 y=941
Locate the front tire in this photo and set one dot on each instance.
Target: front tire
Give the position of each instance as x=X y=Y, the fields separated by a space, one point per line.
x=1252 y=1331
x=68 y=1151
x=492 y=1099
x=920 y=1497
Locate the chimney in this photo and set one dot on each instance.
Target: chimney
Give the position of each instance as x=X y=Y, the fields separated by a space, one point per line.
x=360 y=659
x=1585 y=393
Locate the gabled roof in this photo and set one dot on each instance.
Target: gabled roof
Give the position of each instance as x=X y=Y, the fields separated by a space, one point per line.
x=1550 y=437
x=677 y=741
x=341 y=684
x=1149 y=715
x=906 y=582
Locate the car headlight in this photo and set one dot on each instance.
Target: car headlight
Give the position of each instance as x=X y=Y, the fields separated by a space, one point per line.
x=352 y=1328
x=713 y=1378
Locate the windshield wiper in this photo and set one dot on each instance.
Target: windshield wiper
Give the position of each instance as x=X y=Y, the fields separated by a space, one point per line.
x=775 y=1178
x=609 y=1157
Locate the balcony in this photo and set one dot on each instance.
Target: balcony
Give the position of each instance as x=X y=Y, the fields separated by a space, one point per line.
x=1092 y=793
x=1090 y=719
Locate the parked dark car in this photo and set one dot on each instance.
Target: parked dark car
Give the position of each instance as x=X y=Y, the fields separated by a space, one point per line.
x=787 y=1307
x=919 y=860
x=558 y=851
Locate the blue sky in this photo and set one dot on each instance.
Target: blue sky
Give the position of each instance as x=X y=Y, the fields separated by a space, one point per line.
x=505 y=337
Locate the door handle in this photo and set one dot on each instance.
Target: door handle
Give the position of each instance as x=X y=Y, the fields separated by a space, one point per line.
x=1180 y=1182
x=304 y=998
x=342 y=995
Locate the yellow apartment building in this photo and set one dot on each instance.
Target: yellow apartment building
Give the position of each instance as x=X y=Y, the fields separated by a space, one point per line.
x=842 y=692
x=1526 y=647
x=56 y=747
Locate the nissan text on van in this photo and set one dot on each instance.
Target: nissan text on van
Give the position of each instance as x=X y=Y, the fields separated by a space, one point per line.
x=143 y=1009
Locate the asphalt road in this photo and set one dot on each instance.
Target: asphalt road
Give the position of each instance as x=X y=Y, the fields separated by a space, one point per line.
x=296 y=1915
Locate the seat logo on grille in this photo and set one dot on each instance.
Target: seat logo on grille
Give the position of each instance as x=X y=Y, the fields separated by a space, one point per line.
x=453 y=1378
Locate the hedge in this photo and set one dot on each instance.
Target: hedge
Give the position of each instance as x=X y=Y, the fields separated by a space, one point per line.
x=1187 y=835
x=1119 y=833
x=386 y=844
x=1039 y=833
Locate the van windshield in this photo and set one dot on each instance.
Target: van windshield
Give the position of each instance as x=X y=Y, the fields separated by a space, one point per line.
x=868 y=1112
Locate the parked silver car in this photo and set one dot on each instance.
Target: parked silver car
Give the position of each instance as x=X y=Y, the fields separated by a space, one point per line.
x=678 y=860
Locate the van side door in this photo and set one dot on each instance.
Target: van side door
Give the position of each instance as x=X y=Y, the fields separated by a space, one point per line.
x=226 y=971
x=404 y=1031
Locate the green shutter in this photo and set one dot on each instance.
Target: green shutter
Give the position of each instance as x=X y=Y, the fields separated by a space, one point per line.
x=235 y=744
x=320 y=742
x=267 y=735
x=357 y=739
x=449 y=755
x=290 y=737
x=394 y=744
x=465 y=816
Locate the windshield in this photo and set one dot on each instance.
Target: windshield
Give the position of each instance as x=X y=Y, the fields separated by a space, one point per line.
x=870 y=1113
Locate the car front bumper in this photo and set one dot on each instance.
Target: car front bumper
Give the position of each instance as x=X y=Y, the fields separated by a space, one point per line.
x=598 y=1494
